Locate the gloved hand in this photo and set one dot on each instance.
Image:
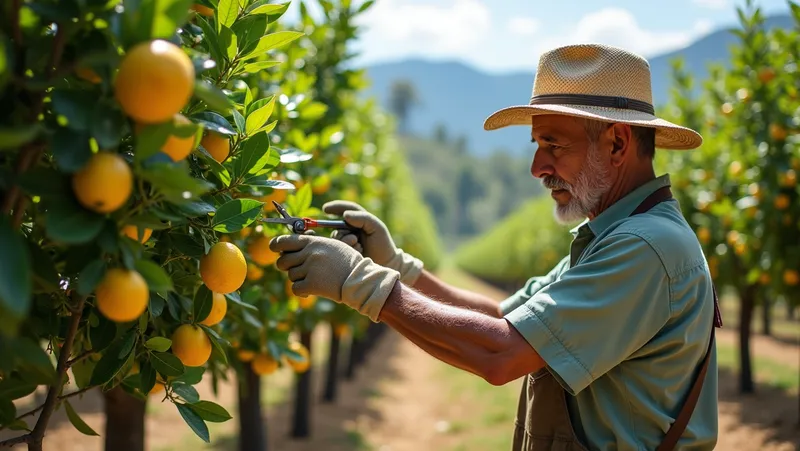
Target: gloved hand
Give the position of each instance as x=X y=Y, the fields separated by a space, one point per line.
x=374 y=239
x=330 y=268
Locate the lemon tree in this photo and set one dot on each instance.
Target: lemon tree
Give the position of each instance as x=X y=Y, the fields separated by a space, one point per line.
x=739 y=191
x=132 y=140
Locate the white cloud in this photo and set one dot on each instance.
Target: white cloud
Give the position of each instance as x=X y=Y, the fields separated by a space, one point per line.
x=712 y=4
x=398 y=28
x=618 y=27
x=523 y=26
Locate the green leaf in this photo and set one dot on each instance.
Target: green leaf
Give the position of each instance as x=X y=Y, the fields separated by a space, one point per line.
x=259 y=66
x=83 y=372
x=302 y=199
x=249 y=30
x=262 y=181
x=192 y=376
x=71 y=149
x=147 y=377
x=7 y=411
x=175 y=182
x=33 y=363
x=16 y=280
x=103 y=334
x=191 y=417
x=236 y=215
x=366 y=5
x=229 y=43
x=270 y=10
x=211 y=38
x=239 y=120
x=76 y=106
x=259 y=117
x=196 y=208
x=226 y=13
x=14 y=387
x=254 y=157
x=157 y=279
x=203 y=302
x=234 y=297
x=112 y=362
x=187 y=392
x=313 y=111
x=160 y=344
x=219 y=170
x=68 y=222
x=214 y=122
x=107 y=125
x=272 y=41
x=45 y=182
x=214 y=98
x=150 y=139
x=167 y=364
x=14 y=137
x=210 y=411
x=268 y=128
x=76 y=420
x=216 y=345
x=90 y=276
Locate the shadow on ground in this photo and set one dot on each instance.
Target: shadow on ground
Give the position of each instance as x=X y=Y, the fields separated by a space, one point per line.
x=335 y=424
x=773 y=411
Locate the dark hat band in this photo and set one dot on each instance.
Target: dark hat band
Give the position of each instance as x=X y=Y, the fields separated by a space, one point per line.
x=622 y=103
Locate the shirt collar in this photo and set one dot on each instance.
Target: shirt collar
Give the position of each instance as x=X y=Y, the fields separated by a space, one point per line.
x=623 y=208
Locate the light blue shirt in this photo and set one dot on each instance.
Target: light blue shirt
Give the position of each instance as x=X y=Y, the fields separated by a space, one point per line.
x=625 y=327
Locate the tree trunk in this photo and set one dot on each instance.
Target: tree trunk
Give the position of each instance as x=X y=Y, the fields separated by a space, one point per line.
x=332 y=376
x=301 y=425
x=789 y=311
x=124 y=421
x=252 y=427
x=745 y=329
x=352 y=358
x=766 y=317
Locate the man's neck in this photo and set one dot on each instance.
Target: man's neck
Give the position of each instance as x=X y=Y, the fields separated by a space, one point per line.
x=628 y=181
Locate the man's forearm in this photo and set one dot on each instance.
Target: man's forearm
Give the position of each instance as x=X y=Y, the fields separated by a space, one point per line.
x=481 y=344
x=438 y=290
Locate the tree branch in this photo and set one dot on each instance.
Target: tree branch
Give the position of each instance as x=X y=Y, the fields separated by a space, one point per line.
x=15 y=441
x=60 y=398
x=37 y=435
x=80 y=357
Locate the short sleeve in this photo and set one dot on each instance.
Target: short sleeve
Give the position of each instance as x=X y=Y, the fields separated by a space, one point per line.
x=599 y=312
x=532 y=286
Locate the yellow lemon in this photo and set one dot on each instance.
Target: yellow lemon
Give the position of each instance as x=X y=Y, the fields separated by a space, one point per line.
x=245 y=355
x=104 y=183
x=260 y=252
x=217 y=145
x=122 y=295
x=132 y=232
x=191 y=345
x=155 y=81
x=298 y=365
x=254 y=272
x=264 y=364
x=223 y=269
x=219 y=308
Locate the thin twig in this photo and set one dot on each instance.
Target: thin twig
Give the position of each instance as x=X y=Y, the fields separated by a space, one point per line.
x=15 y=441
x=80 y=357
x=60 y=398
x=50 y=402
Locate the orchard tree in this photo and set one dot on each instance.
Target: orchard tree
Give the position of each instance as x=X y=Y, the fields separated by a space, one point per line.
x=131 y=141
x=739 y=190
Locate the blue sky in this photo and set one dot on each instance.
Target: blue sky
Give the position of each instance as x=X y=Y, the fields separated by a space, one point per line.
x=509 y=35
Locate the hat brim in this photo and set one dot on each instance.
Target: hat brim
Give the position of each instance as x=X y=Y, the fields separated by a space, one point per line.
x=668 y=135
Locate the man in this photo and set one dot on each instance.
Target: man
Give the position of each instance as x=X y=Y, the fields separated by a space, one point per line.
x=612 y=340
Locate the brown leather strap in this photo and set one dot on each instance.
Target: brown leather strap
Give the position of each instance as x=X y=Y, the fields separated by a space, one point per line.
x=623 y=103
x=676 y=430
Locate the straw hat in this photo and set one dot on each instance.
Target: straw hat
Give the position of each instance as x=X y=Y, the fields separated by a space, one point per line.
x=596 y=82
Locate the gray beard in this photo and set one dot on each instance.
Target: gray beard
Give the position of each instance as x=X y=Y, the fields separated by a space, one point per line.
x=591 y=185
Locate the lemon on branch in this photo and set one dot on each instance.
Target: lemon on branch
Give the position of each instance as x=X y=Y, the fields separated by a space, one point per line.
x=217 y=145
x=260 y=252
x=264 y=364
x=219 y=308
x=191 y=345
x=176 y=147
x=132 y=232
x=122 y=295
x=104 y=183
x=154 y=82
x=298 y=365
x=223 y=269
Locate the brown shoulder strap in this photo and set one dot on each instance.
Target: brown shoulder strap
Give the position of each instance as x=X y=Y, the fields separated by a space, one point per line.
x=676 y=430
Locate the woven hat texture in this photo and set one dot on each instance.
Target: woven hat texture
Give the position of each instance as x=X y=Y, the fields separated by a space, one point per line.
x=599 y=82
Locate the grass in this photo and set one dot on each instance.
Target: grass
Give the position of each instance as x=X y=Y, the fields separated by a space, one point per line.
x=767 y=371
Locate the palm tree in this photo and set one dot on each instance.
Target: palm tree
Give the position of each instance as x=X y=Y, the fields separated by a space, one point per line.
x=402 y=98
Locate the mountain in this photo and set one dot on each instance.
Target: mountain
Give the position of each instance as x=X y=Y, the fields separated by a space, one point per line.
x=461 y=97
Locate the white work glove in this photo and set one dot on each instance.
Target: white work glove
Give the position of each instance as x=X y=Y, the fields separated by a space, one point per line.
x=374 y=240
x=331 y=269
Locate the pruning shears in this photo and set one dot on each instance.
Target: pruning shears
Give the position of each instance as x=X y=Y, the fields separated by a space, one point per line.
x=300 y=225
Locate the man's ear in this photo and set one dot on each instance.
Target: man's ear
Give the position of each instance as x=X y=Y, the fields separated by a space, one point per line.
x=621 y=138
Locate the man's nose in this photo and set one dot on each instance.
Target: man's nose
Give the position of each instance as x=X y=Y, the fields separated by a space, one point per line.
x=542 y=165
